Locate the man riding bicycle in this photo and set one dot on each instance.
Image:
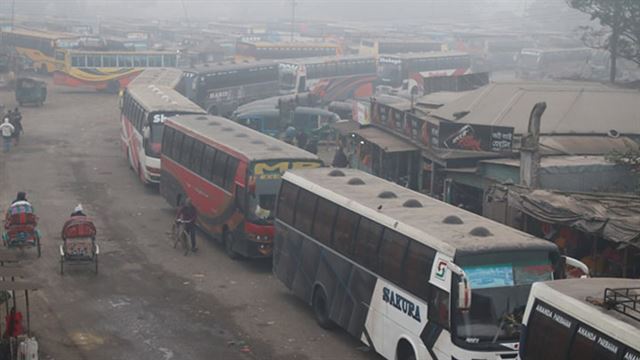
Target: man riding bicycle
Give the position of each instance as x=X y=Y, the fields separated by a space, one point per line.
x=187 y=214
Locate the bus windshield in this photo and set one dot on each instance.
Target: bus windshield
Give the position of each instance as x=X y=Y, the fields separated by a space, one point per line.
x=156 y=126
x=389 y=73
x=287 y=79
x=500 y=291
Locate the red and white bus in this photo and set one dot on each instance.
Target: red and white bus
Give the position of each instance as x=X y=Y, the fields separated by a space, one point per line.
x=144 y=110
x=330 y=78
x=231 y=174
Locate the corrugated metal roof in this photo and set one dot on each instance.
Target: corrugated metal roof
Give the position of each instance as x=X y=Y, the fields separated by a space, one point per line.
x=572 y=108
x=387 y=142
x=251 y=144
x=556 y=161
x=583 y=145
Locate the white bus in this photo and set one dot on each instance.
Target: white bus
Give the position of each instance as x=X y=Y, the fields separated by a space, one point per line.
x=410 y=276
x=582 y=319
x=144 y=110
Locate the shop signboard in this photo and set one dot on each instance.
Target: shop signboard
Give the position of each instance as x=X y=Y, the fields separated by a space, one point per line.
x=474 y=137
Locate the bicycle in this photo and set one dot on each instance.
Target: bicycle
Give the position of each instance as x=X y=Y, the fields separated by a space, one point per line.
x=180 y=236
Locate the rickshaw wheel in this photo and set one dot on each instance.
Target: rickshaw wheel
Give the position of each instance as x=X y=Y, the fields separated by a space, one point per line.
x=61 y=265
x=38 y=245
x=96 y=266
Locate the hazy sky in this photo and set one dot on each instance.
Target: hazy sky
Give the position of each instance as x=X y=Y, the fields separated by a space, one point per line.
x=484 y=12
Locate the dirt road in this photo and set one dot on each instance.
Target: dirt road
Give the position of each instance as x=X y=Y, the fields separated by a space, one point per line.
x=148 y=301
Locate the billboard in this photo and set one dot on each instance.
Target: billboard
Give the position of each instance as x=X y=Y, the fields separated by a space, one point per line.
x=472 y=137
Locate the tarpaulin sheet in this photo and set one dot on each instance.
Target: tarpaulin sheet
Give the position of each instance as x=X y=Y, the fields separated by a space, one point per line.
x=614 y=217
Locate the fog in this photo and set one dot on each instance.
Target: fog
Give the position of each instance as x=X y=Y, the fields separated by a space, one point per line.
x=519 y=14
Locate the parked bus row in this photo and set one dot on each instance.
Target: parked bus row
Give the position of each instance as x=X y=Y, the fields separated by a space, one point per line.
x=411 y=277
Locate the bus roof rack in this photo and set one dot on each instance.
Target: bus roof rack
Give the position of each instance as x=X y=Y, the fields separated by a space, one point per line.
x=623 y=300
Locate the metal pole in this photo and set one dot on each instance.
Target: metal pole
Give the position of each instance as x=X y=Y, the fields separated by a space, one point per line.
x=26 y=296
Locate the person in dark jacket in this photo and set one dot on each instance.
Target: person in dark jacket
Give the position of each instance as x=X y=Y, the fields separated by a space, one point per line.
x=340 y=159
x=188 y=214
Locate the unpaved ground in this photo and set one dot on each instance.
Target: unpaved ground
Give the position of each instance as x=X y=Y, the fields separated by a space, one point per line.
x=148 y=301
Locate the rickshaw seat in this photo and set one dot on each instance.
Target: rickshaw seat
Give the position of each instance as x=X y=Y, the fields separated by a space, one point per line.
x=79 y=227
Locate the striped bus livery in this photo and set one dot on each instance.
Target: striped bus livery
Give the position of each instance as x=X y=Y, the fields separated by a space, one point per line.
x=144 y=108
x=231 y=174
x=410 y=276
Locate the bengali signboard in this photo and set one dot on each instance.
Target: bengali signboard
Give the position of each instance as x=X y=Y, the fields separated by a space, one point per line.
x=471 y=137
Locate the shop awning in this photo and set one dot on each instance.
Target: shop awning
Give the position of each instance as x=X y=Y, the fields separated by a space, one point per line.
x=614 y=217
x=387 y=142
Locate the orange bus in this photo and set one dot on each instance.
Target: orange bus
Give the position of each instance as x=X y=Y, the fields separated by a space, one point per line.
x=231 y=174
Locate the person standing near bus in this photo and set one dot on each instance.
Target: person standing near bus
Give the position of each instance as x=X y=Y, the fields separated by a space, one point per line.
x=15 y=118
x=188 y=213
x=7 y=130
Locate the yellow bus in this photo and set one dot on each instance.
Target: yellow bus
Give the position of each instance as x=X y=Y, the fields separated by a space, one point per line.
x=37 y=48
x=107 y=70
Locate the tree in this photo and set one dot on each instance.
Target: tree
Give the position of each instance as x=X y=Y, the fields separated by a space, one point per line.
x=630 y=159
x=619 y=31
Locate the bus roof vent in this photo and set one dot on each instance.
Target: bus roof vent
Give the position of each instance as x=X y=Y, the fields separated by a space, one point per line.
x=452 y=220
x=213 y=123
x=274 y=148
x=387 y=195
x=227 y=129
x=412 y=203
x=480 y=231
x=242 y=135
x=257 y=142
x=202 y=118
x=355 y=181
x=336 y=173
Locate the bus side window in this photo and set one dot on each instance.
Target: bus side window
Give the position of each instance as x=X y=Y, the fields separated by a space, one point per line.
x=306 y=205
x=287 y=202
x=185 y=151
x=207 y=163
x=439 y=307
x=367 y=243
x=546 y=338
x=586 y=345
x=167 y=139
x=392 y=253
x=345 y=231
x=219 y=166
x=195 y=161
x=230 y=173
x=417 y=268
x=324 y=220
x=177 y=145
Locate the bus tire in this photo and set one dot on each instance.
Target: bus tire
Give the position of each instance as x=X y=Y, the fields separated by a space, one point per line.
x=228 y=240
x=320 y=309
x=44 y=70
x=113 y=86
x=405 y=351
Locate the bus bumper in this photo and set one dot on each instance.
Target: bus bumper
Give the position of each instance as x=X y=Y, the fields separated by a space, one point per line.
x=258 y=240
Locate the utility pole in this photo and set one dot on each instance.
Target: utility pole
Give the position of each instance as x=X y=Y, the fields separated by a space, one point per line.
x=293 y=17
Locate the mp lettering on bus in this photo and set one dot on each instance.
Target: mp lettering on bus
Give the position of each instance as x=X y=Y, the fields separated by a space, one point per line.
x=401 y=303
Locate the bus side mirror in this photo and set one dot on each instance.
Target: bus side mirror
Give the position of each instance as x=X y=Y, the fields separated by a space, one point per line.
x=582 y=270
x=464 y=288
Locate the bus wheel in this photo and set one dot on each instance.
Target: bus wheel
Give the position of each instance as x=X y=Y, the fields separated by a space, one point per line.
x=320 y=309
x=43 y=69
x=228 y=239
x=113 y=87
x=405 y=351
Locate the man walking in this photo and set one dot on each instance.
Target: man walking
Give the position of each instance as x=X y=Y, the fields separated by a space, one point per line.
x=15 y=118
x=7 y=130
